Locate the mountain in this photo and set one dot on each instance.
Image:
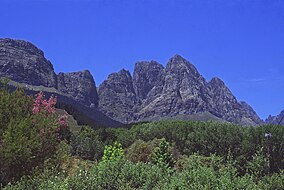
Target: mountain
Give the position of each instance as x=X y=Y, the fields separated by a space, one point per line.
x=24 y=63
x=80 y=85
x=153 y=92
x=177 y=91
x=21 y=61
x=279 y=119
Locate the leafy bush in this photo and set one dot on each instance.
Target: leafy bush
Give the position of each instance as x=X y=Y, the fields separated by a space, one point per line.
x=87 y=144
x=139 y=151
x=259 y=164
x=161 y=155
x=29 y=133
x=113 y=152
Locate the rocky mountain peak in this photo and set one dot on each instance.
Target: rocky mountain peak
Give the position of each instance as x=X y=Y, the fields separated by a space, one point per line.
x=117 y=97
x=20 y=45
x=178 y=91
x=276 y=119
x=21 y=61
x=215 y=81
x=121 y=80
x=226 y=106
x=80 y=85
x=218 y=88
x=148 y=76
x=178 y=64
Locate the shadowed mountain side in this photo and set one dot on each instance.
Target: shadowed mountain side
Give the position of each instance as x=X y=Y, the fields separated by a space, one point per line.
x=84 y=115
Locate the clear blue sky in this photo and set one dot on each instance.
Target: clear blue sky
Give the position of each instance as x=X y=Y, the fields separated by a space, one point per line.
x=240 y=41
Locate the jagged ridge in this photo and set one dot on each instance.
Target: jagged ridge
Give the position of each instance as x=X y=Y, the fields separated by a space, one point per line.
x=153 y=93
x=176 y=91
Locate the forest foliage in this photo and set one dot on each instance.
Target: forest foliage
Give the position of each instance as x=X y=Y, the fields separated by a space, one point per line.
x=38 y=151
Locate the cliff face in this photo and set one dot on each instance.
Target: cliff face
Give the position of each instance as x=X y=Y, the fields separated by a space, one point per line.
x=21 y=61
x=176 y=91
x=153 y=93
x=117 y=98
x=225 y=105
x=179 y=90
x=148 y=77
x=80 y=85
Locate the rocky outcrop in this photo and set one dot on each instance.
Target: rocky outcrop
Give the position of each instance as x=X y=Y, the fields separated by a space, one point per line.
x=21 y=61
x=80 y=85
x=225 y=105
x=148 y=78
x=177 y=91
x=278 y=119
x=249 y=116
x=117 y=98
x=181 y=92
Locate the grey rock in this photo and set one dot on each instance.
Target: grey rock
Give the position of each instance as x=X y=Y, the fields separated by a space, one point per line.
x=177 y=91
x=278 y=119
x=80 y=85
x=249 y=115
x=117 y=97
x=146 y=76
x=183 y=91
x=225 y=105
x=21 y=61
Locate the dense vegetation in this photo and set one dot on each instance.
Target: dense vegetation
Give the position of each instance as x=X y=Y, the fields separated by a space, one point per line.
x=38 y=151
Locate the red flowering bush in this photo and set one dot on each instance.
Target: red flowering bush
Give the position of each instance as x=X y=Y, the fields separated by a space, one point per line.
x=30 y=132
x=46 y=108
x=46 y=105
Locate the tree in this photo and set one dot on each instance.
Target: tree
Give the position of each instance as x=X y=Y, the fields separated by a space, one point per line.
x=162 y=156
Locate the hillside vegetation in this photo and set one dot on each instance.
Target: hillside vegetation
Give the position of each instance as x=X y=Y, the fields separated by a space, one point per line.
x=39 y=150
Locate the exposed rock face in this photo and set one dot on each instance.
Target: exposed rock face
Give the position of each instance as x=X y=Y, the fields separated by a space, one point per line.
x=176 y=91
x=225 y=105
x=148 y=75
x=80 y=85
x=181 y=91
x=276 y=119
x=117 y=97
x=21 y=61
x=249 y=116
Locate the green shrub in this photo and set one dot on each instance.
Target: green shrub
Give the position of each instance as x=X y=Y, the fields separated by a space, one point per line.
x=87 y=144
x=113 y=152
x=259 y=164
x=161 y=155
